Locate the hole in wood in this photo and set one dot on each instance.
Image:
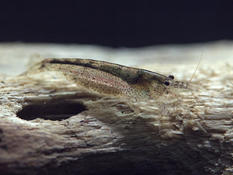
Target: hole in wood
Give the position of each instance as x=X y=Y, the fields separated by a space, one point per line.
x=51 y=111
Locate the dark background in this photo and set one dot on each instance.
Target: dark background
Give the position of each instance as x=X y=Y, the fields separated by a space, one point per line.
x=116 y=23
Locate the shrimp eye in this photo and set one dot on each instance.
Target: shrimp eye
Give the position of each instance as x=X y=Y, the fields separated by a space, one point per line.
x=166 y=83
x=171 y=77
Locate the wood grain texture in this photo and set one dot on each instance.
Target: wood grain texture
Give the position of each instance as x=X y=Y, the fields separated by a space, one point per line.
x=49 y=125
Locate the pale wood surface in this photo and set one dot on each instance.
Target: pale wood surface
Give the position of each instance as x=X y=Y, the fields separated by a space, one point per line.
x=183 y=132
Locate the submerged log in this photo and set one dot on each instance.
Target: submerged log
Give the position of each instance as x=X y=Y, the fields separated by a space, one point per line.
x=50 y=125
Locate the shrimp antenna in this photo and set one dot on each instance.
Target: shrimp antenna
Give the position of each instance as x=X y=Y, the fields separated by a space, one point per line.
x=196 y=67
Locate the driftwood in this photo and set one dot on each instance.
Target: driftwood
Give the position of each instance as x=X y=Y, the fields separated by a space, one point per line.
x=49 y=125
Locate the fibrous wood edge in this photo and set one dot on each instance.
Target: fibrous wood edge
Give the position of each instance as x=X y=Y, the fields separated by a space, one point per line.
x=183 y=132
